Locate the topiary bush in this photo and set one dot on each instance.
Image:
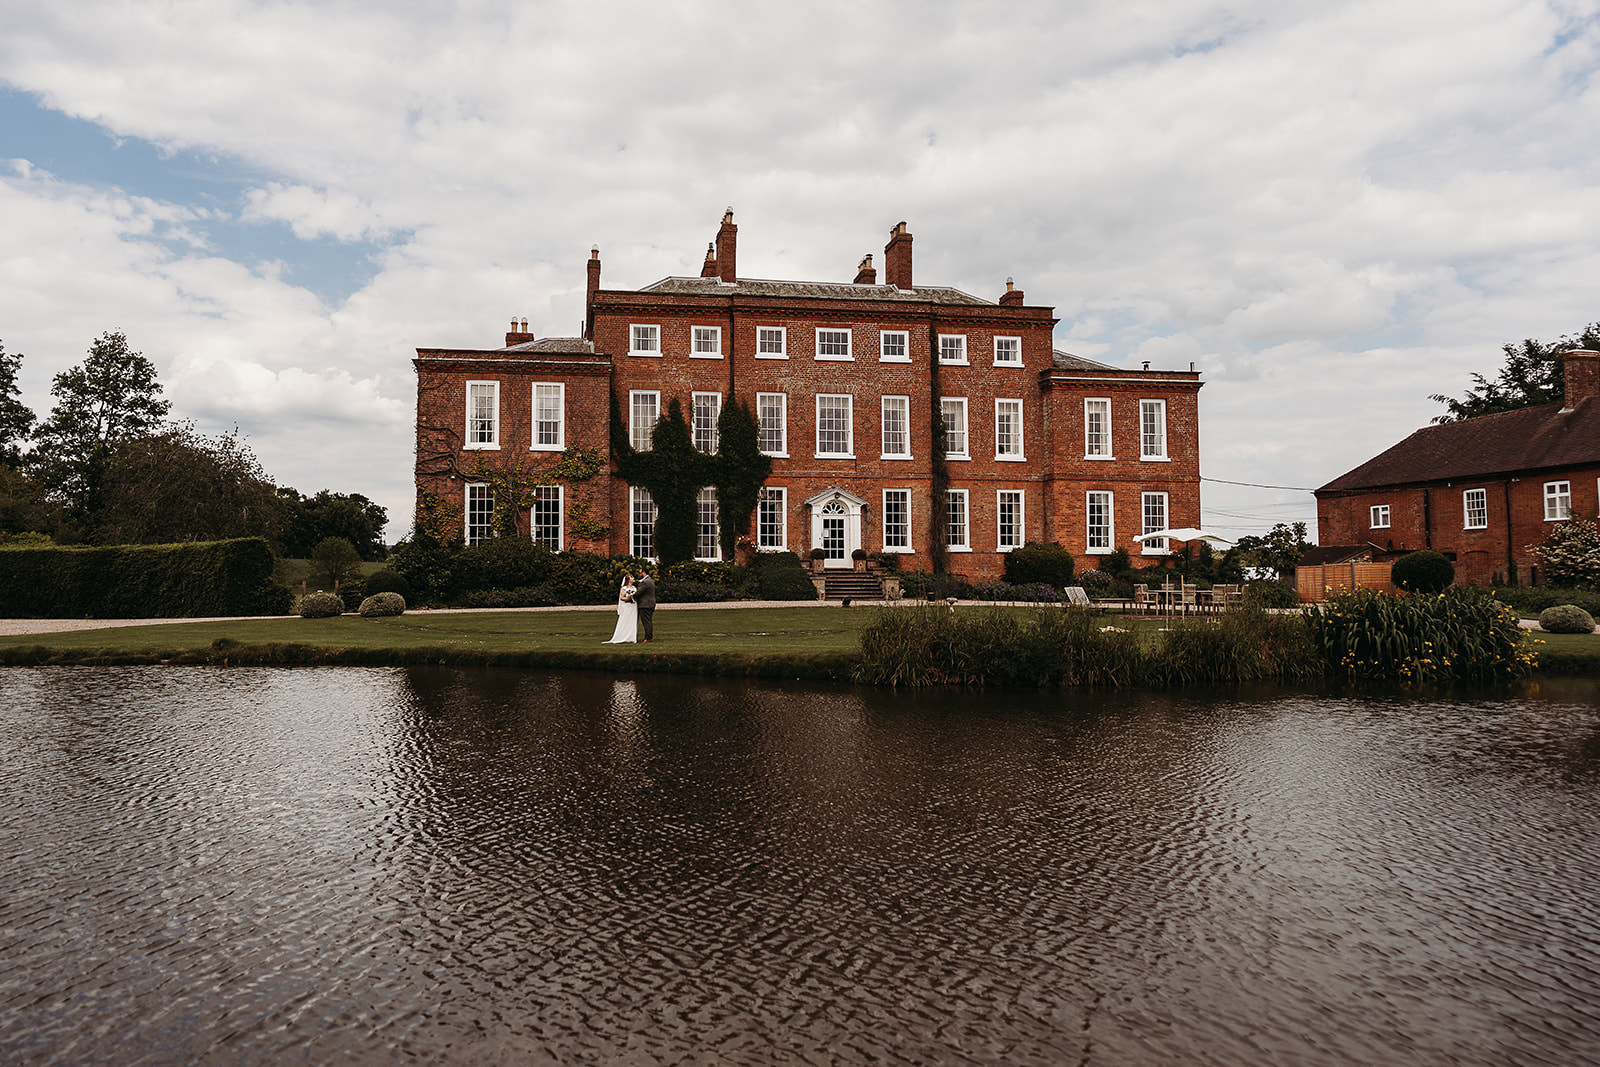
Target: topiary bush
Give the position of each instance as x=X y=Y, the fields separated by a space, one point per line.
x=387 y=581
x=383 y=605
x=1566 y=619
x=321 y=605
x=1039 y=562
x=1532 y=600
x=1425 y=571
x=781 y=576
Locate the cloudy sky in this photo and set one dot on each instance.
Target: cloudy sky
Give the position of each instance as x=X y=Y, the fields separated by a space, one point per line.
x=1333 y=209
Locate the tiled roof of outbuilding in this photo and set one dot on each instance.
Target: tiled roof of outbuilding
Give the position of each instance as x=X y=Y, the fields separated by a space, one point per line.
x=825 y=290
x=1527 y=439
x=1068 y=361
x=552 y=344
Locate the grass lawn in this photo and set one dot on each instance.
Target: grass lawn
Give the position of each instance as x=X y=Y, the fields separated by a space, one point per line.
x=291 y=572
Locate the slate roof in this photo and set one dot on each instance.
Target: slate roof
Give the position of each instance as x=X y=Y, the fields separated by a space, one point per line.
x=1527 y=439
x=825 y=290
x=1068 y=361
x=551 y=344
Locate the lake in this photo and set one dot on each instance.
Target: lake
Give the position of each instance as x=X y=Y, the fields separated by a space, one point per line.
x=475 y=866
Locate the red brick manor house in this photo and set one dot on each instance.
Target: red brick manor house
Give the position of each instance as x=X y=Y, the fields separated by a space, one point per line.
x=844 y=378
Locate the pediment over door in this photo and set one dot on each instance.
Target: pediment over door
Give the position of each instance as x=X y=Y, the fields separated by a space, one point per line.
x=832 y=493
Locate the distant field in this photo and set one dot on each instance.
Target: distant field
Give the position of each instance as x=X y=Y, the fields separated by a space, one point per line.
x=291 y=572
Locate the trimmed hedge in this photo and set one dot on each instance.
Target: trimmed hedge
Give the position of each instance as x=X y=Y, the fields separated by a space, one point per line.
x=1534 y=599
x=781 y=576
x=1423 y=571
x=198 y=578
x=382 y=605
x=1566 y=619
x=1039 y=563
x=320 y=605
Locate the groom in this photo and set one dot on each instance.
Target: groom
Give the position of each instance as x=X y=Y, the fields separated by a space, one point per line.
x=644 y=596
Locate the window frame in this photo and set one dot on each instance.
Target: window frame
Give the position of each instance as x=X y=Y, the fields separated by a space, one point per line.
x=492 y=445
x=467 y=512
x=1467 y=509
x=1008 y=457
x=966 y=427
x=783 y=342
x=783 y=425
x=901 y=548
x=849 y=345
x=561 y=418
x=961 y=342
x=1110 y=453
x=1561 y=512
x=905 y=345
x=1160 y=407
x=700 y=498
x=850 y=429
x=1021 y=534
x=905 y=425
x=951 y=544
x=998 y=362
x=694 y=421
x=1372 y=517
x=1110 y=546
x=768 y=493
x=633 y=339
x=1160 y=546
x=714 y=334
x=645 y=547
x=633 y=427
x=560 y=524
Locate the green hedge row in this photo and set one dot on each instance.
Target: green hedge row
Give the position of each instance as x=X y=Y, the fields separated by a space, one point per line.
x=141 y=581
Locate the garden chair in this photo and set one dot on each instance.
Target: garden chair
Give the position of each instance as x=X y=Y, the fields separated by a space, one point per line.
x=1078 y=597
x=1142 y=600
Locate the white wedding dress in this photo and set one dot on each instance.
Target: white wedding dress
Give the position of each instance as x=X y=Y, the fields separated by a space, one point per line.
x=627 y=631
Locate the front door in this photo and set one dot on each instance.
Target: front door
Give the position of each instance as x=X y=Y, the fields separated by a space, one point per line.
x=834 y=529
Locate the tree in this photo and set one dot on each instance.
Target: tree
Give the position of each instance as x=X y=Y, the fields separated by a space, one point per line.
x=334 y=560
x=673 y=471
x=1571 y=555
x=741 y=471
x=15 y=417
x=112 y=397
x=1280 y=551
x=178 y=485
x=1531 y=375
x=328 y=514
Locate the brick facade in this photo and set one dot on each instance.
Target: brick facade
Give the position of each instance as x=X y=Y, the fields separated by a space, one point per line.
x=1047 y=390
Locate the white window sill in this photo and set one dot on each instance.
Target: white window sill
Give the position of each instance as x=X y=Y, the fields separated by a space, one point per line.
x=772 y=355
x=1154 y=552
x=1485 y=526
x=895 y=457
x=1101 y=459
x=833 y=455
x=900 y=551
x=836 y=359
x=481 y=448
x=1008 y=364
x=1155 y=459
x=963 y=457
x=1010 y=459
x=776 y=455
x=894 y=359
x=705 y=355
x=1007 y=548
x=958 y=548
x=547 y=448
x=1554 y=518
x=954 y=363
x=1098 y=551
x=649 y=355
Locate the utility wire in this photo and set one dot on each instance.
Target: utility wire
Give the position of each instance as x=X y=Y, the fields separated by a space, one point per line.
x=1258 y=485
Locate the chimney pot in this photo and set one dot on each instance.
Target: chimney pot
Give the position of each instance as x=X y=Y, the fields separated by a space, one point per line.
x=897 y=257
x=1580 y=377
x=727 y=248
x=866 y=273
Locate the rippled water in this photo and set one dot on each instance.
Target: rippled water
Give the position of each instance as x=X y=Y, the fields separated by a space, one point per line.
x=523 y=867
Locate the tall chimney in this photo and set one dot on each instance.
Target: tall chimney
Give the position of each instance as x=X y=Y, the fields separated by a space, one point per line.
x=866 y=273
x=1012 y=295
x=897 y=258
x=708 y=269
x=590 y=290
x=1580 y=377
x=727 y=248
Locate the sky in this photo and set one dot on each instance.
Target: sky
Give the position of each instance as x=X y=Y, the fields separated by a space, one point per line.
x=1332 y=210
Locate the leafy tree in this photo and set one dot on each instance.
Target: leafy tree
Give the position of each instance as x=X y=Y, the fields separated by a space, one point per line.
x=327 y=514
x=178 y=485
x=15 y=417
x=23 y=506
x=112 y=397
x=1571 y=555
x=1531 y=375
x=674 y=471
x=741 y=471
x=334 y=560
x=1280 y=551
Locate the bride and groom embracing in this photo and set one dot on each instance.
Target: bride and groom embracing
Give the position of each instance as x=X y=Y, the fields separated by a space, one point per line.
x=636 y=603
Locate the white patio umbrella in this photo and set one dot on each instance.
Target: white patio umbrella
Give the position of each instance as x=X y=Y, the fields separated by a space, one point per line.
x=1185 y=533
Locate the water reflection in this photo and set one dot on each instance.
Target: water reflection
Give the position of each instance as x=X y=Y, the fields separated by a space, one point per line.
x=473 y=866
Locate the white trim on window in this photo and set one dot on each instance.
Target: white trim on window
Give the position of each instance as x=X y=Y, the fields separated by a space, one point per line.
x=1153 y=517
x=772 y=342
x=708 y=538
x=952 y=436
x=896 y=341
x=1097 y=428
x=540 y=518
x=772 y=435
x=772 y=518
x=482 y=426
x=1100 y=522
x=900 y=523
x=644 y=339
x=549 y=433
x=1008 y=446
x=1557 y=501
x=896 y=427
x=1011 y=349
x=1017 y=523
x=1153 y=431
x=1475 y=509
x=835 y=344
x=833 y=401
x=644 y=411
x=1378 y=516
x=642 y=512
x=702 y=422
x=953 y=349
x=705 y=342
x=958 y=521
x=478 y=512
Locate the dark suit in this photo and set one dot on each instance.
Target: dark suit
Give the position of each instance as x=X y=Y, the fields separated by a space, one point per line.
x=644 y=595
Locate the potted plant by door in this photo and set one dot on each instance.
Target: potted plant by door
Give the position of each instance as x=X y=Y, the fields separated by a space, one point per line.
x=817 y=558
x=859 y=557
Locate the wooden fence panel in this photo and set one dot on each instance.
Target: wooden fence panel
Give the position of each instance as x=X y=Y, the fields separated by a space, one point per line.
x=1314 y=583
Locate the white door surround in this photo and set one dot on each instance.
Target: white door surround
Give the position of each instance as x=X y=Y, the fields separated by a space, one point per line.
x=836 y=526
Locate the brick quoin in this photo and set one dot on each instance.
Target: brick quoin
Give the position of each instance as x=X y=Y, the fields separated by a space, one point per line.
x=1053 y=473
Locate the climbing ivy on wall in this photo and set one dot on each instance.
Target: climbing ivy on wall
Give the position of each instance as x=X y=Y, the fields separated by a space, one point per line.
x=939 y=473
x=513 y=486
x=741 y=471
x=673 y=471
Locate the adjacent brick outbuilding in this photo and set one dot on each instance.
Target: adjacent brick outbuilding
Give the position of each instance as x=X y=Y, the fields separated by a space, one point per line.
x=845 y=378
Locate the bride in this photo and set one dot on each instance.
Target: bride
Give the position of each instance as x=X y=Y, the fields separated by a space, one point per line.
x=627 y=631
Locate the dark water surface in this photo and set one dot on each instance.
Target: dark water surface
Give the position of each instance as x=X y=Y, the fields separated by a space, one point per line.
x=386 y=865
